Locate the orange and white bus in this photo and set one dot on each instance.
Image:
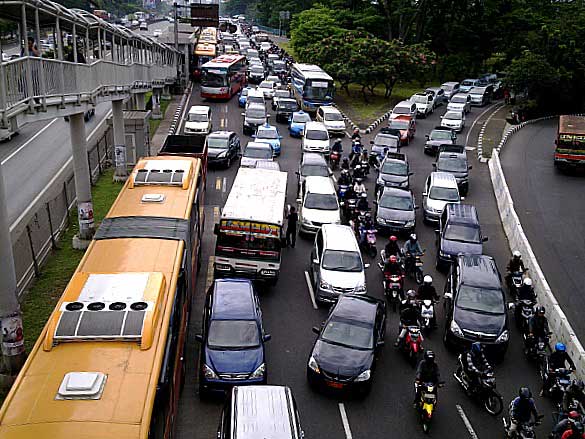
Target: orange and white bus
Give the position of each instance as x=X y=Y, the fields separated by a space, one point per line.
x=223 y=77
x=110 y=361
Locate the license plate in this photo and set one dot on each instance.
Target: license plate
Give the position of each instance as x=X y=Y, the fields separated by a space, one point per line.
x=335 y=385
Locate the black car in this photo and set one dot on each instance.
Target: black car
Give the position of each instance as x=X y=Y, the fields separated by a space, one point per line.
x=285 y=108
x=439 y=136
x=452 y=159
x=393 y=172
x=277 y=67
x=475 y=306
x=344 y=355
x=395 y=211
x=223 y=147
x=387 y=140
x=459 y=232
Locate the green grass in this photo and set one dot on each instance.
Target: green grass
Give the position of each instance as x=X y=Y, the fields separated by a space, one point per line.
x=61 y=263
x=154 y=123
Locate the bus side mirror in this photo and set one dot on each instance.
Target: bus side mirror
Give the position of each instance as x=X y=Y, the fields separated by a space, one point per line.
x=216 y=229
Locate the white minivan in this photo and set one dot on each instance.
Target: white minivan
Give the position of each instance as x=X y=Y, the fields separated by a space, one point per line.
x=333 y=120
x=198 y=120
x=318 y=204
x=440 y=188
x=316 y=138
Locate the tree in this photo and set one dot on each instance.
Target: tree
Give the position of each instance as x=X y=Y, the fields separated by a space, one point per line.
x=310 y=27
x=531 y=73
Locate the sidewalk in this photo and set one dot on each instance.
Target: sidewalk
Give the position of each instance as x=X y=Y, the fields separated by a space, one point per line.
x=494 y=129
x=163 y=129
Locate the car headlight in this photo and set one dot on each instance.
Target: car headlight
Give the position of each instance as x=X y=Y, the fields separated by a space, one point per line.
x=259 y=372
x=409 y=224
x=361 y=288
x=306 y=221
x=455 y=329
x=381 y=220
x=404 y=184
x=222 y=154
x=324 y=285
x=313 y=365
x=503 y=338
x=209 y=373
x=364 y=376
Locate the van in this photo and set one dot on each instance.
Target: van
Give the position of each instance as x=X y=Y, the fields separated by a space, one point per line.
x=440 y=189
x=468 y=84
x=459 y=232
x=198 y=120
x=481 y=96
x=336 y=265
x=333 y=120
x=318 y=204
x=253 y=412
x=316 y=138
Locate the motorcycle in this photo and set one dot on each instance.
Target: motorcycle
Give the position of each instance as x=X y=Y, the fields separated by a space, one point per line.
x=515 y=282
x=536 y=349
x=412 y=346
x=427 y=313
x=525 y=430
x=358 y=171
x=334 y=159
x=414 y=268
x=349 y=208
x=560 y=383
x=523 y=312
x=485 y=393
x=427 y=403
x=342 y=190
x=373 y=160
x=365 y=167
x=369 y=244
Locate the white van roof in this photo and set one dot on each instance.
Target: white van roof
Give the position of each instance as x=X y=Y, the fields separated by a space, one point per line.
x=338 y=237
x=319 y=185
x=443 y=179
x=315 y=126
x=199 y=109
x=256 y=92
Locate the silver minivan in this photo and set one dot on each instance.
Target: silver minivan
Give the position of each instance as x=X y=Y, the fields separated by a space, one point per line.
x=440 y=189
x=254 y=412
x=336 y=264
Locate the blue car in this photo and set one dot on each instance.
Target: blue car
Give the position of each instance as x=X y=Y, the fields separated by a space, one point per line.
x=268 y=134
x=243 y=97
x=232 y=343
x=296 y=125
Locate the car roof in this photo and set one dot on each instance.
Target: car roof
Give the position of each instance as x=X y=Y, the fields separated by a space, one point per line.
x=262 y=164
x=233 y=299
x=443 y=179
x=313 y=125
x=288 y=100
x=221 y=134
x=259 y=145
x=463 y=94
x=450 y=83
x=338 y=237
x=404 y=103
x=478 y=271
x=358 y=308
x=396 y=157
x=199 y=109
x=402 y=117
x=319 y=185
x=462 y=213
x=313 y=158
x=397 y=192
x=267 y=126
x=256 y=92
x=329 y=109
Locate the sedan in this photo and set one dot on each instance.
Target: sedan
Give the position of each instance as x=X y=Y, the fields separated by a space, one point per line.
x=296 y=126
x=395 y=211
x=348 y=344
x=267 y=88
x=460 y=102
x=454 y=120
x=269 y=134
x=439 y=136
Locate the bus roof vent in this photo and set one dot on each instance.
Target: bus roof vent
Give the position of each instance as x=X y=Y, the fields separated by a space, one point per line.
x=162 y=173
x=153 y=198
x=82 y=385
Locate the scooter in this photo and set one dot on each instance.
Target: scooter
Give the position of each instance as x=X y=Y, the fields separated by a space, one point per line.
x=414 y=268
x=427 y=312
x=412 y=346
x=358 y=172
x=334 y=158
x=515 y=282
x=427 y=403
x=523 y=312
x=486 y=393
x=525 y=430
x=342 y=190
x=370 y=243
x=561 y=382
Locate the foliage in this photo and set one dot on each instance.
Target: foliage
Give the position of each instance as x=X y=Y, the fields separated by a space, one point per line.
x=532 y=73
x=310 y=27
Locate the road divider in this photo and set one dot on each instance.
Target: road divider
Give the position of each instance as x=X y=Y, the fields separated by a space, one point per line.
x=311 y=292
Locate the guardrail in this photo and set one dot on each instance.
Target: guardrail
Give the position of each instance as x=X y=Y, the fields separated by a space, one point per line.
x=517 y=240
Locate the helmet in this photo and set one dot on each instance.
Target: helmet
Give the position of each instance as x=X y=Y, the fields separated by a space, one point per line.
x=560 y=347
x=358 y=179
x=413 y=236
x=428 y=279
x=364 y=195
x=356 y=131
x=393 y=259
x=345 y=159
x=540 y=310
x=579 y=384
x=476 y=348
x=411 y=294
x=393 y=238
x=524 y=393
x=430 y=356
x=527 y=281
x=344 y=171
x=368 y=214
x=574 y=414
x=517 y=254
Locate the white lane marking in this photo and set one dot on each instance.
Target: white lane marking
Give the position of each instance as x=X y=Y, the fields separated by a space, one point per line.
x=224 y=186
x=21 y=147
x=347 y=134
x=218 y=183
x=345 y=421
x=465 y=420
x=334 y=178
x=215 y=214
x=475 y=121
x=310 y=287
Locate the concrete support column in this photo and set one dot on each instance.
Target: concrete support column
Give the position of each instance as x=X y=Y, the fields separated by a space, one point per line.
x=140 y=101
x=156 y=114
x=13 y=355
x=121 y=173
x=82 y=181
x=166 y=94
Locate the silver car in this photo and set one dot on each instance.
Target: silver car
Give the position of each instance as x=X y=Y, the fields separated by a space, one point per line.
x=454 y=120
x=460 y=102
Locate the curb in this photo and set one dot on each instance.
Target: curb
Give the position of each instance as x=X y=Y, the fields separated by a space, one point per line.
x=482 y=131
x=177 y=117
x=370 y=127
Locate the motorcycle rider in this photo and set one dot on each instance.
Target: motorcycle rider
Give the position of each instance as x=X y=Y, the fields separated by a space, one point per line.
x=356 y=150
x=475 y=365
x=515 y=265
x=574 y=393
x=344 y=178
x=392 y=248
x=345 y=164
x=409 y=316
x=558 y=359
x=526 y=291
x=362 y=203
x=392 y=267
x=337 y=147
x=411 y=249
x=522 y=409
x=364 y=225
x=356 y=134
x=428 y=292
x=576 y=431
x=565 y=424
x=427 y=371
x=538 y=326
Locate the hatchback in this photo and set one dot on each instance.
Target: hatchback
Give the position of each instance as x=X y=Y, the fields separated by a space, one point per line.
x=440 y=189
x=395 y=211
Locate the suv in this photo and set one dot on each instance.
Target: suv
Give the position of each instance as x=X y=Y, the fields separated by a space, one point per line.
x=395 y=211
x=223 y=147
x=481 y=96
x=439 y=136
x=452 y=159
x=404 y=108
x=476 y=306
x=336 y=265
x=332 y=119
x=256 y=74
x=393 y=172
x=285 y=107
x=318 y=204
x=312 y=165
x=387 y=140
x=459 y=232
x=440 y=189
x=425 y=103
x=232 y=341
x=198 y=120
x=254 y=116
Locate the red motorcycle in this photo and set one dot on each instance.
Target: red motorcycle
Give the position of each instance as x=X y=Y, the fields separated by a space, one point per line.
x=334 y=159
x=412 y=346
x=394 y=289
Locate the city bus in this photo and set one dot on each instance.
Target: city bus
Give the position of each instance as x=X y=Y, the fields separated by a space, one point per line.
x=204 y=52
x=208 y=35
x=250 y=229
x=570 y=142
x=312 y=87
x=110 y=361
x=223 y=77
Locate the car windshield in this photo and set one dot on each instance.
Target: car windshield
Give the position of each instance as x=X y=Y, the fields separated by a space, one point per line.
x=444 y=193
x=395 y=168
x=256 y=113
x=333 y=116
x=421 y=99
x=451 y=164
x=349 y=333
x=282 y=93
x=385 y=140
x=198 y=117
x=447 y=87
x=315 y=171
x=459 y=99
x=301 y=118
x=453 y=115
x=217 y=142
x=476 y=91
x=287 y=105
x=267 y=133
x=481 y=300
x=401 y=110
x=468 y=82
x=399 y=124
x=462 y=233
x=258 y=153
x=233 y=334
x=266 y=84
x=317 y=135
x=441 y=135
x=321 y=201
x=339 y=260
x=257 y=69
x=396 y=202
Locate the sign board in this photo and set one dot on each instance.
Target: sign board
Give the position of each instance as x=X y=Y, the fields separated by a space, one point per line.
x=249 y=227
x=205 y=15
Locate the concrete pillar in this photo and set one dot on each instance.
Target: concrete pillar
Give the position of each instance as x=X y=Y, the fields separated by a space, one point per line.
x=121 y=173
x=82 y=181
x=140 y=101
x=166 y=94
x=13 y=355
x=156 y=114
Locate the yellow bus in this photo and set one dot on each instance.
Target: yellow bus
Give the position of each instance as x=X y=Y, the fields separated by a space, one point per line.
x=110 y=361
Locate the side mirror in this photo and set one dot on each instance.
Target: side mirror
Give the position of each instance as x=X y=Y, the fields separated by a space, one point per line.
x=243 y=114
x=441 y=117
x=267 y=337
x=424 y=194
x=427 y=136
x=268 y=116
x=299 y=201
x=511 y=306
x=462 y=198
x=253 y=136
x=279 y=137
x=484 y=239
x=316 y=261
x=434 y=166
x=410 y=173
x=416 y=207
x=371 y=142
x=199 y=338
x=297 y=172
x=437 y=231
x=380 y=343
x=316 y=330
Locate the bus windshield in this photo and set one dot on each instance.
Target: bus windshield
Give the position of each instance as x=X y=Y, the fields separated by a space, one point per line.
x=318 y=90
x=214 y=78
x=248 y=246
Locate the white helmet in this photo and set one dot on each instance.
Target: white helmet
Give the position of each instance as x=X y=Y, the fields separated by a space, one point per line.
x=527 y=281
x=517 y=254
x=428 y=279
x=413 y=236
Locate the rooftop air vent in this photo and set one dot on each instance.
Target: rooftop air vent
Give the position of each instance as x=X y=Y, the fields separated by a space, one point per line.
x=162 y=172
x=82 y=385
x=153 y=198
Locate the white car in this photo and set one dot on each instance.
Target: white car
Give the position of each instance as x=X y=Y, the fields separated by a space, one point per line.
x=440 y=189
x=425 y=103
x=318 y=204
x=198 y=120
x=255 y=152
x=267 y=88
x=333 y=120
x=265 y=46
x=460 y=102
x=454 y=120
x=316 y=138
x=404 y=108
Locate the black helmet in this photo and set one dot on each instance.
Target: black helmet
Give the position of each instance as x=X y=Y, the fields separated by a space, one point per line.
x=430 y=356
x=540 y=310
x=525 y=393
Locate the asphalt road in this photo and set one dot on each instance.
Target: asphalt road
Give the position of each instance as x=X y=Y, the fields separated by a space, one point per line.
x=289 y=315
x=551 y=208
